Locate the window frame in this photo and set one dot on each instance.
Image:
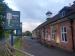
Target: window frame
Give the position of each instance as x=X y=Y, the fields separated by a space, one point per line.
x=63 y=32
x=53 y=33
x=63 y=13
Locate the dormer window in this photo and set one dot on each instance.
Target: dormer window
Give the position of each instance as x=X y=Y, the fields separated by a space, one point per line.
x=63 y=13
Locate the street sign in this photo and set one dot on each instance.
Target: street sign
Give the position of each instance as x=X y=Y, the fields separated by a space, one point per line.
x=13 y=20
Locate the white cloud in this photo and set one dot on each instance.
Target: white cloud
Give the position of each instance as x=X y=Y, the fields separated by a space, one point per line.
x=29 y=26
x=11 y=4
x=33 y=11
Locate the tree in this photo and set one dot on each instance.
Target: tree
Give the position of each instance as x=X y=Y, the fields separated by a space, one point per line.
x=27 y=33
x=1 y=0
x=1 y=18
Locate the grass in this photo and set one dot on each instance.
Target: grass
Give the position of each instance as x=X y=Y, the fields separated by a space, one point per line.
x=19 y=53
x=6 y=35
x=17 y=45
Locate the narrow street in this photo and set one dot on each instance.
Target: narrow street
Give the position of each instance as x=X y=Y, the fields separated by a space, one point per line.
x=33 y=47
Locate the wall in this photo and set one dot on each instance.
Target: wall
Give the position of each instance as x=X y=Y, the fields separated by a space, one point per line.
x=74 y=32
x=57 y=42
x=66 y=45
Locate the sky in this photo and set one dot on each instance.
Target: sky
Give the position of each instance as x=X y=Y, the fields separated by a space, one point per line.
x=33 y=11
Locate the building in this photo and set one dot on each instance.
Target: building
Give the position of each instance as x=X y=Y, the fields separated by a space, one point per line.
x=59 y=31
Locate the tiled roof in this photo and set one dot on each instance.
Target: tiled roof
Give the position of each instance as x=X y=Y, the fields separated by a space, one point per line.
x=57 y=17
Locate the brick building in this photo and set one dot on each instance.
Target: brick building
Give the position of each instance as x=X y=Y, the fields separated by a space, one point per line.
x=59 y=31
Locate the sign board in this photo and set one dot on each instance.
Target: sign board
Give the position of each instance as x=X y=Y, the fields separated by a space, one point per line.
x=19 y=31
x=13 y=20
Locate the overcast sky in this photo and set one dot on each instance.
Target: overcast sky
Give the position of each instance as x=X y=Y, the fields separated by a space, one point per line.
x=33 y=11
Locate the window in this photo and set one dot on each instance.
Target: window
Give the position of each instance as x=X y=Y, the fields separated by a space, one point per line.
x=53 y=32
x=63 y=14
x=63 y=34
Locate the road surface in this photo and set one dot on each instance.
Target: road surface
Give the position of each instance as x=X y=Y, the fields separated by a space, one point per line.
x=33 y=47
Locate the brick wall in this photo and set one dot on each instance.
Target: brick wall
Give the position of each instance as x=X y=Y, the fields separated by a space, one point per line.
x=57 y=42
x=66 y=45
x=74 y=32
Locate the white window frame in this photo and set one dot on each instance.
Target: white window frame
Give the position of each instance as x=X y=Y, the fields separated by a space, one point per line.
x=52 y=33
x=63 y=14
x=62 y=32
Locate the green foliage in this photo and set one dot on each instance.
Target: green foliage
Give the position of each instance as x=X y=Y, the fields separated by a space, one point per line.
x=17 y=43
x=1 y=0
x=27 y=33
x=19 y=54
x=1 y=19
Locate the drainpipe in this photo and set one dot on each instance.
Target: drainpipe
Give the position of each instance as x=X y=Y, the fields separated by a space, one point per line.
x=71 y=22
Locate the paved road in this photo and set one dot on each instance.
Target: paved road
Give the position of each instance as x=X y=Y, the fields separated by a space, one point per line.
x=33 y=47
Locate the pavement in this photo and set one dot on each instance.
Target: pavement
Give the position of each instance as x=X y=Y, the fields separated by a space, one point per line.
x=33 y=47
